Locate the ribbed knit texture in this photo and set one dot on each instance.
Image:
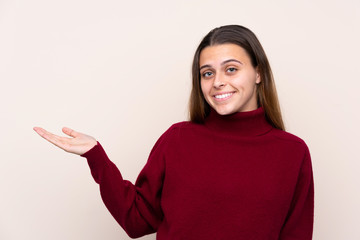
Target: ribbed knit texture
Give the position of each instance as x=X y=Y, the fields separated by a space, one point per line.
x=234 y=177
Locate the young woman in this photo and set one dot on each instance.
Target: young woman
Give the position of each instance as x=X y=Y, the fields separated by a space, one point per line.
x=231 y=172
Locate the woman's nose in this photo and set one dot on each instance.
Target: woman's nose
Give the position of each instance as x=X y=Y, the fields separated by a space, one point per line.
x=218 y=82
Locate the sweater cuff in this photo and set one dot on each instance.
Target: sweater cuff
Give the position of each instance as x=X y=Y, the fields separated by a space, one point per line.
x=97 y=160
x=93 y=151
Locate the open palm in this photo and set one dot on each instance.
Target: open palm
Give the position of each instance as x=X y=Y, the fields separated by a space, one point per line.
x=77 y=143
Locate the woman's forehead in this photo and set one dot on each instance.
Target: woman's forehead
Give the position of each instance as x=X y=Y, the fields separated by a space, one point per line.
x=217 y=54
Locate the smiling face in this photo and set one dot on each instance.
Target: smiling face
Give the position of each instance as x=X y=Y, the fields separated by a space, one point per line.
x=228 y=79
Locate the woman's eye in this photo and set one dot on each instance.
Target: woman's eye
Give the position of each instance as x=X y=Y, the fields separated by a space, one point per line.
x=231 y=69
x=207 y=74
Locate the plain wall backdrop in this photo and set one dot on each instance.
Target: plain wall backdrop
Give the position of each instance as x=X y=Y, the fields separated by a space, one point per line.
x=120 y=71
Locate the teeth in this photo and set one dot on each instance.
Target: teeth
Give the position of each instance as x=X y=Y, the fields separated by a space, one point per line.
x=223 y=95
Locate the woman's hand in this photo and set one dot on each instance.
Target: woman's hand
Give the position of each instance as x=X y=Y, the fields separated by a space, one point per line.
x=79 y=143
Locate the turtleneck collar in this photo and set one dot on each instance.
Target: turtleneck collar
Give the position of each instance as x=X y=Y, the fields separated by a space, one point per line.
x=251 y=123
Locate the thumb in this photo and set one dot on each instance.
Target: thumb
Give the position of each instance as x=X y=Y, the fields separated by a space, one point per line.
x=70 y=132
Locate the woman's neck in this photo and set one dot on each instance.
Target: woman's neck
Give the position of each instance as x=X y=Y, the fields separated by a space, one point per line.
x=251 y=123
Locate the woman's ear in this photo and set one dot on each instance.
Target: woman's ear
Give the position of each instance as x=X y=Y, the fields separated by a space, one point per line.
x=258 y=78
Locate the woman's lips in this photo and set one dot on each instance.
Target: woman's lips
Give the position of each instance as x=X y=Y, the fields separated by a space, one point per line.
x=223 y=96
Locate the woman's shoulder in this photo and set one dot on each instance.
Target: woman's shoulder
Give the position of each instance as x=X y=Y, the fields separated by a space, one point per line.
x=290 y=143
x=184 y=125
x=175 y=133
x=282 y=135
x=180 y=128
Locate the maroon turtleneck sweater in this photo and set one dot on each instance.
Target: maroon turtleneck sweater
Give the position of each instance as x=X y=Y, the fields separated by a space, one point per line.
x=234 y=177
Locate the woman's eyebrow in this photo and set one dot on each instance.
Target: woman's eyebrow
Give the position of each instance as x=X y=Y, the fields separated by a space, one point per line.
x=231 y=60
x=223 y=63
x=205 y=66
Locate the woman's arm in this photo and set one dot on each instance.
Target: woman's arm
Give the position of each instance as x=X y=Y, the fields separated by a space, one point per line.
x=300 y=219
x=135 y=207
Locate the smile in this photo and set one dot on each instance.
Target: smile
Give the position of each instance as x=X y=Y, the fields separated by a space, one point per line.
x=223 y=96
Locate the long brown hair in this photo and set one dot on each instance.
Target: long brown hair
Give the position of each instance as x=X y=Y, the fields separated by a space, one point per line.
x=266 y=94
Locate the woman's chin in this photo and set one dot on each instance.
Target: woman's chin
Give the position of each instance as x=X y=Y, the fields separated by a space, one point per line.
x=224 y=111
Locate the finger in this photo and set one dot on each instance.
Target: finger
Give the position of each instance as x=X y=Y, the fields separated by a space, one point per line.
x=58 y=141
x=40 y=131
x=70 y=132
x=45 y=134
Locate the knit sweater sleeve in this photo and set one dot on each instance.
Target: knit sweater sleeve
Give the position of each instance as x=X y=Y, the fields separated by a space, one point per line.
x=135 y=207
x=300 y=218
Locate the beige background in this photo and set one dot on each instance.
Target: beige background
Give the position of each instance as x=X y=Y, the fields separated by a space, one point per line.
x=120 y=71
